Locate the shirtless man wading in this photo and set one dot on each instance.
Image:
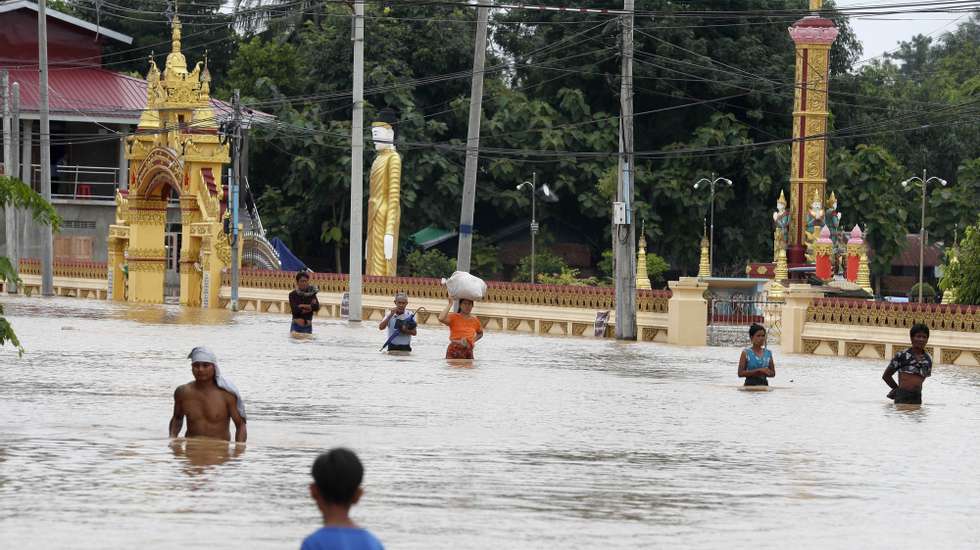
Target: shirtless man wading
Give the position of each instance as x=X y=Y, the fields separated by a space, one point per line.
x=208 y=402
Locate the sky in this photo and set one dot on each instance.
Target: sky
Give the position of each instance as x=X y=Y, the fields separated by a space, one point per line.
x=880 y=34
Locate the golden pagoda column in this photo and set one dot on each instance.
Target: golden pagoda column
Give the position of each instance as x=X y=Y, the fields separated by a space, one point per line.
x=813 y=35
x=704 y=267
x=642 y=278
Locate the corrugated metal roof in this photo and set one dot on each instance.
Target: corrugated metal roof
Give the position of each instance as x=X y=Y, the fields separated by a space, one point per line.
x=90 y=93
x=83 y=91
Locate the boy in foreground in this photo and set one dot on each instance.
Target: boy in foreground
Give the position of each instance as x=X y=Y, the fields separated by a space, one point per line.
x=336 y=487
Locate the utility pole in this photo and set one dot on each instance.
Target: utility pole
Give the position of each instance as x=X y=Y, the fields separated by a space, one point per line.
x=5 y=99
x=9 y=154
x=624 y=233
x=47 y=240
x=13 y=169
x=357 y=170
x=463 y=253
x=236 y=177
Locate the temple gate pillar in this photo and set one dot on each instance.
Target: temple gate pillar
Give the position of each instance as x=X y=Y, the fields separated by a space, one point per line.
x=147 y=256
x=813 y=36
x=687 y=312
x=190 y=252
x=798 y=299
x=116 y=281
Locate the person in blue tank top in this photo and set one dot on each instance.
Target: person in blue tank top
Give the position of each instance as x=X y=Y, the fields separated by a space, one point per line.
x=756 y=364
x=336 y=486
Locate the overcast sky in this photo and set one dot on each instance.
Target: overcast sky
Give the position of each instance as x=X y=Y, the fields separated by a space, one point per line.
x=880 y=34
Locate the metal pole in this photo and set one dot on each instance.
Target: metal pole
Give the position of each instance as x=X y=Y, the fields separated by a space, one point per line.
x=236 y=177
x=47 y=240
x=711 y=236
x=534 y=222
x=357 y=169
x=472 y=143
x=922 y=234
x=624 y=234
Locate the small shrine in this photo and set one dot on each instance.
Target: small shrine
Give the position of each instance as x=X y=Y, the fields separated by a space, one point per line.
x=176 y=152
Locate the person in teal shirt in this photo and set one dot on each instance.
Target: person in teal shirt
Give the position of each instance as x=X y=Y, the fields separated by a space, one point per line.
x=756 y=364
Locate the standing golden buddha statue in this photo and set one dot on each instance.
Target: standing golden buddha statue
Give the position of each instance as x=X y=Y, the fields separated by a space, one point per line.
x=384 y=204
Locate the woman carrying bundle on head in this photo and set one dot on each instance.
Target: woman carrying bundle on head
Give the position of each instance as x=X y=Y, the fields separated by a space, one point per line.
x=464 y=329
x=756 y=364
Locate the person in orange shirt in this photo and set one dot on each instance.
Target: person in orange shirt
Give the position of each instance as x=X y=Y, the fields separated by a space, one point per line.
x=464 y=329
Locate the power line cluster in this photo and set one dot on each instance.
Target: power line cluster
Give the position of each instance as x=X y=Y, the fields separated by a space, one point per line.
x=710 y=71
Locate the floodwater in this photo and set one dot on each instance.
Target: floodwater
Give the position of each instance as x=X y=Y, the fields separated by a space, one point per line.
x=545 y=443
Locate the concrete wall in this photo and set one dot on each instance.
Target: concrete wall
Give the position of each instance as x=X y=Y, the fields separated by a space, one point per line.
x=85 y=219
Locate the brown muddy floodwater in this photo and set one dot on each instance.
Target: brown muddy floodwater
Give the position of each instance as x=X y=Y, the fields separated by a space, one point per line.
x=546 y=443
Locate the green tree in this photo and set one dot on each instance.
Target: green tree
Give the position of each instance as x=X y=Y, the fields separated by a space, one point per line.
x=431 y=263
x=18 y=194
x=568 y=276
x=546 y=262
x=865 y=183
x=963 y=275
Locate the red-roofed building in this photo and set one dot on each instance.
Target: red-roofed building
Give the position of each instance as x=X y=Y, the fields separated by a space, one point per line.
x=905 y=267
x=92 y=110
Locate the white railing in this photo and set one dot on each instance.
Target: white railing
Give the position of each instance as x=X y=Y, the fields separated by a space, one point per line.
x=76 y=182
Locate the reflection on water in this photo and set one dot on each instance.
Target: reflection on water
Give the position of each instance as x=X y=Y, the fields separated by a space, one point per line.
x=201 y=454
x=539 y=443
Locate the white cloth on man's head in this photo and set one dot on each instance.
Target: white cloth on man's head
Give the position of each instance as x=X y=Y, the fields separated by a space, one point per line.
x=202 y=354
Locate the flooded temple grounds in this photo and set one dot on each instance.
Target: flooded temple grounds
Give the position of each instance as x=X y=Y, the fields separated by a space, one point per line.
x=546 y=443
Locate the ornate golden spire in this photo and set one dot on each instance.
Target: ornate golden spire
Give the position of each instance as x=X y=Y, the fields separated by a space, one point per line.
x=864 y=273
x=815 y=5
x=704 y=267
x=642 y=278
x=176 y=64
x=776 y=288
x=782 y=198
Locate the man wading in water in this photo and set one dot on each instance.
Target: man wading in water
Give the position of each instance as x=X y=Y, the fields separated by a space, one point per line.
x=208 y=402
x=913 y=367
x=303 y=304
x=399 y=319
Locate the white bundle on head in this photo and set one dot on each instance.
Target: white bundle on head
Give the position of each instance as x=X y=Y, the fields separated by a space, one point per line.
x=463 y=286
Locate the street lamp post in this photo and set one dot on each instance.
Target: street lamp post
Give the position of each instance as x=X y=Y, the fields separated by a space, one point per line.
x=711 y=237
x=924 y=183
x=549 y=196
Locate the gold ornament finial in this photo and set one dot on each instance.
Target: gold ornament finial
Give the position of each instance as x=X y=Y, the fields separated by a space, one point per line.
x=815 y=5
x=782 y=198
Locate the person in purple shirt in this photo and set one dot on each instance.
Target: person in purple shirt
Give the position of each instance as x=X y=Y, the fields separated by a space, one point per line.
x=336 y=487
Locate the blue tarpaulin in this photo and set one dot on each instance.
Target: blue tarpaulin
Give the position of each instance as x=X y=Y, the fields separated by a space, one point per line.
x=289 y=260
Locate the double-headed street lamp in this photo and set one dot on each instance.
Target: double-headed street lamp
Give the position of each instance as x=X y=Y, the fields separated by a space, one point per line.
x=549 y=196
x=711 y=238
x=924 y=183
